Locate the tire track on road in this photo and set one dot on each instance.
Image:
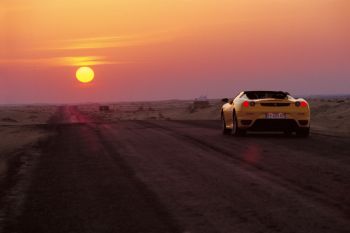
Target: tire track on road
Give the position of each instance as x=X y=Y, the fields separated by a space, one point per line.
x=82 y=185
x=324 y=201
x=147 y=194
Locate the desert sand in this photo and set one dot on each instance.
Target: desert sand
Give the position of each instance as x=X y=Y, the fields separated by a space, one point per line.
x=20 y=130
x=18 y=125
x=328 y=116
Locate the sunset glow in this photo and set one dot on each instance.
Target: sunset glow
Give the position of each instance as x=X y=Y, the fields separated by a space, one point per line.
x=147 y=50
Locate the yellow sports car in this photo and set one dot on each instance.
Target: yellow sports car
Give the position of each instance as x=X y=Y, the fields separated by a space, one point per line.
x=265 y=111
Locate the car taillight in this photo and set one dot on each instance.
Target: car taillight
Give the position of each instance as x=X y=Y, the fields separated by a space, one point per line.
x=303 y=104
x=246 y=104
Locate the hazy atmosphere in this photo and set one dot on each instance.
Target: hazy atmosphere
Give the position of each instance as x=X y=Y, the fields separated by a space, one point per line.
x=142 y=50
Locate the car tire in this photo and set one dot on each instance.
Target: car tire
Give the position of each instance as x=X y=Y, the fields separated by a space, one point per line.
x=236 y=131
x=225 y=130
x=303 y=132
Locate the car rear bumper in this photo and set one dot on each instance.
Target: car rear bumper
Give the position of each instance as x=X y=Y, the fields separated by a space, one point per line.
x=273 y=124
x=257 y=120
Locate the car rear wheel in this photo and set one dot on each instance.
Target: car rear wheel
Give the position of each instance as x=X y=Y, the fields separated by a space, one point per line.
x=303 y=132
x=236 y=131
x=225 y=130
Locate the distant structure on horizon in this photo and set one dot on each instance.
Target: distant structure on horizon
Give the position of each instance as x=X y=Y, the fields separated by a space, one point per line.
x=104 y=108
x=200 y=102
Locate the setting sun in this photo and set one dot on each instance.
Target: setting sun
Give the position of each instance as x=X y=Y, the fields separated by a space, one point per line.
x=85 y=74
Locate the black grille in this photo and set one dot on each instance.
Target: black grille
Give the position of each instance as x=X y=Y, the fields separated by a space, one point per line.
x=274 y=125
x=303 y=122
x=275 y=104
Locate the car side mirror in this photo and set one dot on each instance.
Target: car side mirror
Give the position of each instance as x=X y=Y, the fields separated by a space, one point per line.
x=225 y=100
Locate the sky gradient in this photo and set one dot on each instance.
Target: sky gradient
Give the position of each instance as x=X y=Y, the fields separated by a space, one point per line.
x=171 y=49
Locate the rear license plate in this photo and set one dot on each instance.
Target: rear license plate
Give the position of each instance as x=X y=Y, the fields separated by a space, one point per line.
x=272 y=115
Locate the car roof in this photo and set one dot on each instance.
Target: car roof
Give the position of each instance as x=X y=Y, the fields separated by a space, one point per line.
x=265 y=94
x=261 y=91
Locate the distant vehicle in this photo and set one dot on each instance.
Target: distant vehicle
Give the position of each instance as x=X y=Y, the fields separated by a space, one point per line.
x=265 y=111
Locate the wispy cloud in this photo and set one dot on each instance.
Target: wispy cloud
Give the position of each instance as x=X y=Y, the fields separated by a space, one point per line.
x=107 y=42
x=59 y=52
x=63 y=61
x=83 y=61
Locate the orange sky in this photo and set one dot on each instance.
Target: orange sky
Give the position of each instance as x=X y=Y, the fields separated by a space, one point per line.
x=165 y=49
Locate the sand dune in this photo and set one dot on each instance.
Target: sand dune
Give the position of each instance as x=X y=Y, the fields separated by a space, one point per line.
x=331 y=116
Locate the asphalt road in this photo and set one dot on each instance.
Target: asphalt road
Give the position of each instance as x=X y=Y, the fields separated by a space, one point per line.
x=173 y=176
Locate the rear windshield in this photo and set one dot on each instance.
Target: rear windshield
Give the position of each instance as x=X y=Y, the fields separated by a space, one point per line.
x=266 y=94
